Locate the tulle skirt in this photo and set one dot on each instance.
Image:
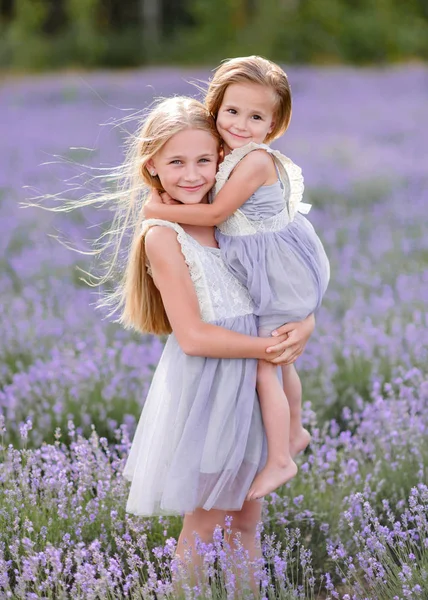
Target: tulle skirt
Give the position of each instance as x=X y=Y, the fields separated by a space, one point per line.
x=286 y=271
x=200 y=439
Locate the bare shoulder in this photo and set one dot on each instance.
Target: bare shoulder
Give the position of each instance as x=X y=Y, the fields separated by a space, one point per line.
x=158 y=239
x=257 y=161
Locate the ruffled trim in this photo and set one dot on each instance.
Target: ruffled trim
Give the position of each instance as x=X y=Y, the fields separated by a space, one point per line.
x=192 y=260
x=231 y=160
x=290 y=174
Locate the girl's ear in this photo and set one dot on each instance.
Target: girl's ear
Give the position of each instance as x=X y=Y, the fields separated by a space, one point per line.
x=151 y=167
x=272 y=126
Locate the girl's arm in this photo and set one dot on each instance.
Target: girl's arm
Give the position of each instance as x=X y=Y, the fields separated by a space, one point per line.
x=253 y=171
x=195 y=337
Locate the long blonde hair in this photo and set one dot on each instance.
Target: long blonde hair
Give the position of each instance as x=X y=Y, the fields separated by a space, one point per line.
x=132 y=292
x=253 y=69
x=142 y=303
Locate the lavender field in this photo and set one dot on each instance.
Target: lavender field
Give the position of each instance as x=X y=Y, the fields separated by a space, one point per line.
x=353 y=524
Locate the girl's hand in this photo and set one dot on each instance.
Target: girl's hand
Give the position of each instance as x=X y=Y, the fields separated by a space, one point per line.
x=149 y=207
x=156 y=199
x=167 y=199
x=298 y=336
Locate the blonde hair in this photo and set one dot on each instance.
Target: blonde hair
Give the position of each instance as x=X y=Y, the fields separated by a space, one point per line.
x=253 y=69
x=141 y=300
x=133 y=292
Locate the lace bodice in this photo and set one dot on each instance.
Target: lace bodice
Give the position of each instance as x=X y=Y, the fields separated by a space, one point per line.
x=291 y=182
x=220 y=294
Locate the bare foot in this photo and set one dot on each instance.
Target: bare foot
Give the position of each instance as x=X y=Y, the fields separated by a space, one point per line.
x=270 y=478
x=299 y=441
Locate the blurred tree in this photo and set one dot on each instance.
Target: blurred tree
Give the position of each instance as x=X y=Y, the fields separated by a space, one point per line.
x=87 y=37
x=6 y=8
x=53 y=33
x=175 y=14
x=24 y=44
x=151 y=18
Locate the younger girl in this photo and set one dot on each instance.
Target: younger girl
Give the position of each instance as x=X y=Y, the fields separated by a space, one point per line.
x=266 y=243
x=200 y=439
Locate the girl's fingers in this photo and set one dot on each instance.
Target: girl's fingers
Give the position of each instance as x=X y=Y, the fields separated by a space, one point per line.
x=292 y=336
x=167 y=199
x=279 y=357
x=287 y=344
x=275 y=349
x=303 y=328
x=286 y=359
x=289 y=355
x=155 y=197
x=286 y=328
x=279 y=347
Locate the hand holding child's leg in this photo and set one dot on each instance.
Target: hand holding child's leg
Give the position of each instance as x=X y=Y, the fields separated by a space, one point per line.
x=279 y=466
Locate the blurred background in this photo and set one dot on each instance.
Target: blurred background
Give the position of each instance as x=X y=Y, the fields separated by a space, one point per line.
x=52 y=34
x=77 y=76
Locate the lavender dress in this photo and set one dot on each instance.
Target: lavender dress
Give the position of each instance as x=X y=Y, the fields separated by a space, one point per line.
x=200 y=439
x=271 y=248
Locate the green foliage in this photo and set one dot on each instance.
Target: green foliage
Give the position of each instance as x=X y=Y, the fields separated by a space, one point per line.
x=312 y=30
x=299 y=31
x=22 y=45
x=87 y=42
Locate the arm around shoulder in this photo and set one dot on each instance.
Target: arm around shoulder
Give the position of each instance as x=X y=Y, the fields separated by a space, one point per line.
x=253 y=171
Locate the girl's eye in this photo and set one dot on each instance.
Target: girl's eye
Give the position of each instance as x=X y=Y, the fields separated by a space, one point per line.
x=257 y=117
x=205 y=160
x=232 y=111
x=175 y=162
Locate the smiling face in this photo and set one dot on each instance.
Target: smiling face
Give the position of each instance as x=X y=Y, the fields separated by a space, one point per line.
x=186 y=165
x=246 y=114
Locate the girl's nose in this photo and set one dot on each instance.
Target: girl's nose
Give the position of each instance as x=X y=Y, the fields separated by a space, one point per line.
x=191 y=173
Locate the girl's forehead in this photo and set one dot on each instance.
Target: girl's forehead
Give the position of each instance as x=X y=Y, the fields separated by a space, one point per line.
x=189 y=142
x=250 y=94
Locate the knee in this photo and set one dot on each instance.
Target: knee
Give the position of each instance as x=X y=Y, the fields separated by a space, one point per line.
x=244 y=527
x=205 y=528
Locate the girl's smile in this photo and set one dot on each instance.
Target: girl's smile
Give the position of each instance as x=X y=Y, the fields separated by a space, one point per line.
x=190 y=188
x=186 y=165
x=246 y=114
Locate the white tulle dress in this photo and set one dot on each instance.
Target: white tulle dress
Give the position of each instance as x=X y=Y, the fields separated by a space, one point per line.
x=200 y=439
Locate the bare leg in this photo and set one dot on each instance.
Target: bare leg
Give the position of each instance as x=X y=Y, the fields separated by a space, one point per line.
x=299 y=437
x=244 y=527
x=202 y=522
x=197 y=525
x=279 y=467
x=244 y=524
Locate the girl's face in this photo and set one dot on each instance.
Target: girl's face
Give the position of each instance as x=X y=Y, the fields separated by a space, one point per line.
x=187 y=164
x=246 y=114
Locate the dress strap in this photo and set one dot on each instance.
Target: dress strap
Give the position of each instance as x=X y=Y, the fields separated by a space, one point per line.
x=191 y=251
x=290 y=175
x=187 y=247
x=149 y=223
